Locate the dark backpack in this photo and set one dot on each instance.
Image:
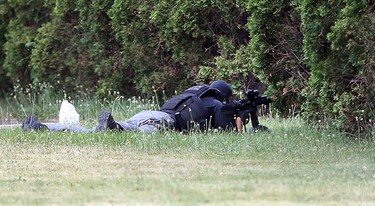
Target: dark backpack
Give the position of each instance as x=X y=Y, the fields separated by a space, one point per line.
x=188 y=109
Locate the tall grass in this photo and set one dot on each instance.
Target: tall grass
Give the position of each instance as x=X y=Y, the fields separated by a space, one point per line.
x=41 y=100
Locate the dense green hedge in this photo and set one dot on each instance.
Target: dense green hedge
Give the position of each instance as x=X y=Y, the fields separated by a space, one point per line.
x=339 y=51
x=316 y=57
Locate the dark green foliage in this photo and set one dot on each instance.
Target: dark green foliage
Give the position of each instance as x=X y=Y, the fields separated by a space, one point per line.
x=318 y=17
x=339 y=48
x=316 y=57
x=133 y=30
x=64 y=47
x=5 y=15
x=23 y=18
x=169 y=42
x=100 y=51
x=276 y=50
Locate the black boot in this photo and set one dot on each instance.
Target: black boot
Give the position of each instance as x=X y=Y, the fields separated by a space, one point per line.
x=106 y=122
x=31 y=123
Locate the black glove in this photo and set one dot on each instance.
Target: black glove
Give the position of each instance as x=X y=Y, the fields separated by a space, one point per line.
x=261 y=128
x=236 y=105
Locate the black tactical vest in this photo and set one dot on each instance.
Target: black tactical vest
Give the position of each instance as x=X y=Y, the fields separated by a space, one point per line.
x=188 y=109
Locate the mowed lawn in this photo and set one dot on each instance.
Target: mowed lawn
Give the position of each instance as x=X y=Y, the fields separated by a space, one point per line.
x=292 y=165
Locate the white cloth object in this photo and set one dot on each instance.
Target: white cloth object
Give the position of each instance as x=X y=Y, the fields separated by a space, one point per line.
x=68 y=114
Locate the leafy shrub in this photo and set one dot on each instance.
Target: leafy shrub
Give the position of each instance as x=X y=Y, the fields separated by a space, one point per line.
x=276 y=50
x=339 y=47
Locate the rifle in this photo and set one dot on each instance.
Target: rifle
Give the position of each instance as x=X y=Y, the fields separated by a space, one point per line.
x=250 y=105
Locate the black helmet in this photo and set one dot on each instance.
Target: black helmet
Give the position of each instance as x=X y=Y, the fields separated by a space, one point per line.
x=224 y=88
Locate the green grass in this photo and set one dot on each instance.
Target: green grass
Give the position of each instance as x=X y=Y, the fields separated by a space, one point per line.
x=294 y=164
